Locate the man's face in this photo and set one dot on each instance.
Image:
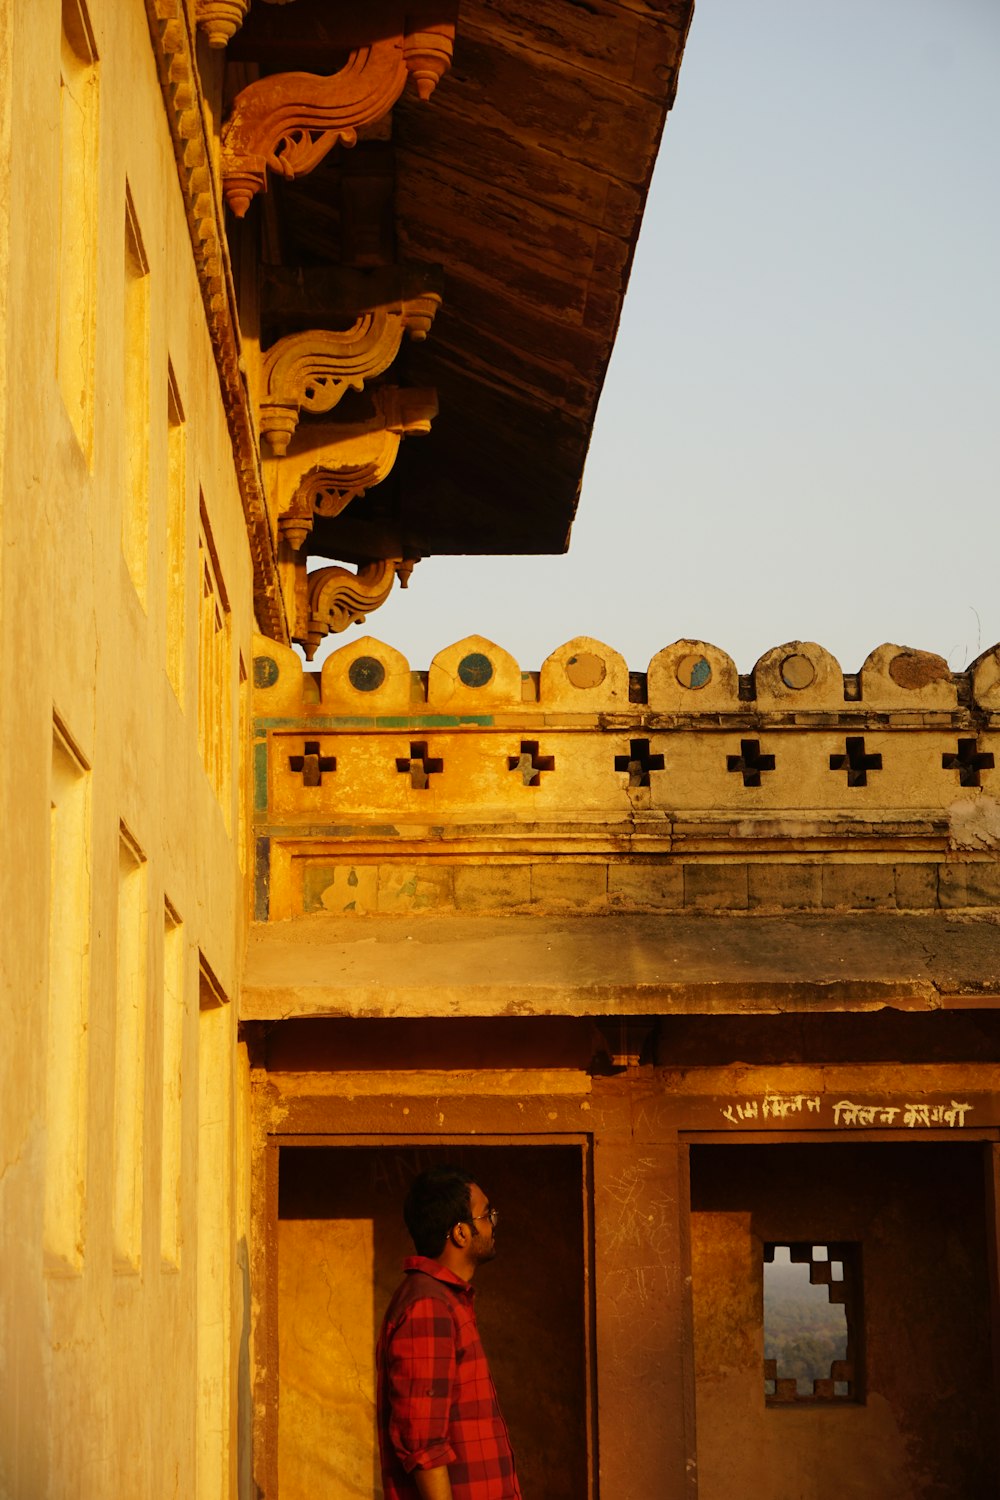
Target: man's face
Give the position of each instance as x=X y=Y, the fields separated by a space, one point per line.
x=483 y=1232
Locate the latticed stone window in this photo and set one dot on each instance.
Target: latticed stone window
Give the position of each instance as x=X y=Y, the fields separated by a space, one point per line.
x=812 y=1323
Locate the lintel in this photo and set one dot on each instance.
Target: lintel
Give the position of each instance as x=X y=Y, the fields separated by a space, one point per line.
x=618 y=965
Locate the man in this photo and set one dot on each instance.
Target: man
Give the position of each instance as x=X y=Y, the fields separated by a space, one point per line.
x=441 y=1435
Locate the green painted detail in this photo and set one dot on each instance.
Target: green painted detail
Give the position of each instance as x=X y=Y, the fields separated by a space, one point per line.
x=326 y=830
x=265 y=671
x=387 y=721
x=475 y=670
x=366 y=674
x=315 y=879
x=260 y=776
x=436 y=721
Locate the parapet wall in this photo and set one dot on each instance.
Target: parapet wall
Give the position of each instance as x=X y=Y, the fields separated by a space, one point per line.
x=477 y=786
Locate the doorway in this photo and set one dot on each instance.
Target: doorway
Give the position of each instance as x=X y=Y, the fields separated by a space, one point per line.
x=340 y=1246
x=870 y=1261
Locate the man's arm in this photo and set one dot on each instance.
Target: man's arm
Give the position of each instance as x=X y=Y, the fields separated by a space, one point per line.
x=420 y=1371
x=432 y=1484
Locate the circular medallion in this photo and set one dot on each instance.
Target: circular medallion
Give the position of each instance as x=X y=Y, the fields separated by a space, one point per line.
x=265 y=671
x=797 y=672
x=366 y=673
x=586 y=670
x=693 y=671
x=475 y=670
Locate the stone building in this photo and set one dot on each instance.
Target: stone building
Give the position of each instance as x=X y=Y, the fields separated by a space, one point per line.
x=700 y=970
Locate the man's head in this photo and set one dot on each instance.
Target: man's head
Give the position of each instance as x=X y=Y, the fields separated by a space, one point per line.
x=450 y=1219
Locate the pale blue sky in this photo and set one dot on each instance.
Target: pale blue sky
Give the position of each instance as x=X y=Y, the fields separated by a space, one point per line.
x=799 y=436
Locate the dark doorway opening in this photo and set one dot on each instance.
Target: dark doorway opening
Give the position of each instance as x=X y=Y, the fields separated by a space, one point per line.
x=912 y=1218
x=341 y=1243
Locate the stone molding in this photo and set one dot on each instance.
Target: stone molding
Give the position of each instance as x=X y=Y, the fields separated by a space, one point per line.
x=288 y=122
x=344 y=459
x=312 y=371
x=174 y=53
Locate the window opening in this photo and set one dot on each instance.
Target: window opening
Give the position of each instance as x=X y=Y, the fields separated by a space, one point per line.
x=176 y=536
x=215 y=688
x=812 y=1322
x=78 y=187
x=135 y=512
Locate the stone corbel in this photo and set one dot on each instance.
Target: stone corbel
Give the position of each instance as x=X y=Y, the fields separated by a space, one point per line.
x=289 y=121
x=311 y=371
x=339 y=598
x=331 y=464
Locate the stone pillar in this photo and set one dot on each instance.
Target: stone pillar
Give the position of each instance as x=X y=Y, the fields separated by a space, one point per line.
x=645 y=1393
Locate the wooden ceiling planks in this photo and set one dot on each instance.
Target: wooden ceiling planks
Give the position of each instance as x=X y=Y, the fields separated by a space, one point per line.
x=524 y=179
x=526 y=182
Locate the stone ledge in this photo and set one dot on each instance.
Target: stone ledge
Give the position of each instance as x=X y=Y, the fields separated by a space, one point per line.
x=618 y=964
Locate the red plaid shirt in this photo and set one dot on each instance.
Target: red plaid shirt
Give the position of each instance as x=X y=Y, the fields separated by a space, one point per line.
x=436 y=1400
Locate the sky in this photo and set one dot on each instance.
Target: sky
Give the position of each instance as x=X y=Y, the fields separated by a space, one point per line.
x=799 y=434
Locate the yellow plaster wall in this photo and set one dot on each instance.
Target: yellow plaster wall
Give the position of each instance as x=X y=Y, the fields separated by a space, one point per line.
x=104 y=1392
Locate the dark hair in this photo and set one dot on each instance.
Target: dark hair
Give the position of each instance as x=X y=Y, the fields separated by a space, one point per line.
x=438 y=1200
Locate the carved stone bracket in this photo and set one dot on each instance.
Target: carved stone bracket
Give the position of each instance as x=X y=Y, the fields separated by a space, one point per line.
x=311 y=371
x=339 y=598
x=342 y=460
x=289 y=121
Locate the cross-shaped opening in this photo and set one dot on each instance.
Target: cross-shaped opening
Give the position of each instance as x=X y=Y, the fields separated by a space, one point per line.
x=530 y=763
x=638 y=763
x=856 y=763
x=750 y=762
x=419 y=766
x=311 y=765
x=968 y=762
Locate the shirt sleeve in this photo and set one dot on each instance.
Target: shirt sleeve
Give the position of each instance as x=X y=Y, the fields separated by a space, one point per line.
x=420 y=1377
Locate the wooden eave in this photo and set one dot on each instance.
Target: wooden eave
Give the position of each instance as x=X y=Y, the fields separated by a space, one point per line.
x=527 y=183
x=524 y=179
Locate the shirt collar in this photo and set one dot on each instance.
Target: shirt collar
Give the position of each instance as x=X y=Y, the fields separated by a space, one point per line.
x=440 y=1273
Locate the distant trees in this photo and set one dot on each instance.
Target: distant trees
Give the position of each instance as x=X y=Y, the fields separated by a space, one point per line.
x=804 y=1333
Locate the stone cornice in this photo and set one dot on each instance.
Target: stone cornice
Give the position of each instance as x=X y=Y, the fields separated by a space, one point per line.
x=174 y=51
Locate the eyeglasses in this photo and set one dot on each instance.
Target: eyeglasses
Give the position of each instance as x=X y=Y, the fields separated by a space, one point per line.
x=493 y=1214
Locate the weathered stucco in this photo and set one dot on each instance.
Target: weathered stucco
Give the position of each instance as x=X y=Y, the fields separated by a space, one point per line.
x=103 y=1291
